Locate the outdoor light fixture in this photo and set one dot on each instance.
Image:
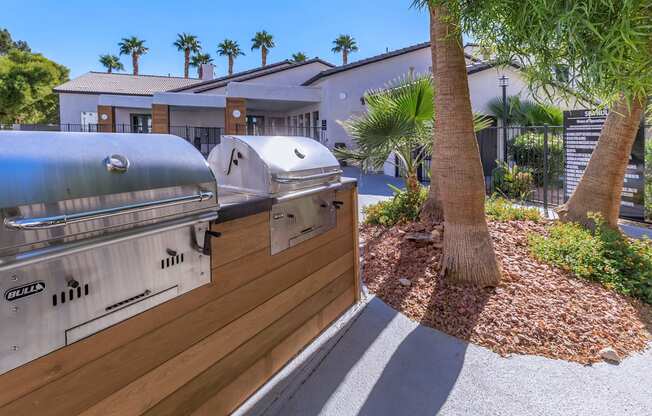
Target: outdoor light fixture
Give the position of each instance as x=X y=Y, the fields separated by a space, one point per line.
x=503 y=81
x=236 y=113
x=342 y=96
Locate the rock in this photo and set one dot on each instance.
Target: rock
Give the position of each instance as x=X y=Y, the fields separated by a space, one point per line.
x=405 y=282
x=610 y=355
x=436 y=234
x=425 y=238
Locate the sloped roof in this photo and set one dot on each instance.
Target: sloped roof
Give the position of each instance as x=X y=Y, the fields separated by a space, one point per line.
x=123 y=84
x=251 y=74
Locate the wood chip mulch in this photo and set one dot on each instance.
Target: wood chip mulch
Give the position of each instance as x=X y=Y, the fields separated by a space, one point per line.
x=537 y=309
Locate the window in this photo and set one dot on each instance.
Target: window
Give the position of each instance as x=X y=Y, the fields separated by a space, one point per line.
x=141 y=123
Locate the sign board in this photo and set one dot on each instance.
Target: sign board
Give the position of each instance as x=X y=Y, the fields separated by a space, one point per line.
x=581 y=132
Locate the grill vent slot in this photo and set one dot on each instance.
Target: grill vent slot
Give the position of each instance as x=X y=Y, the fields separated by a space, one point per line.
x=126 y=301
x=171 y=261
x=70 y=295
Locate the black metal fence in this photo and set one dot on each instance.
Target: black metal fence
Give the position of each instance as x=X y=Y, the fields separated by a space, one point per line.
x=315 y=132
x=529 y=168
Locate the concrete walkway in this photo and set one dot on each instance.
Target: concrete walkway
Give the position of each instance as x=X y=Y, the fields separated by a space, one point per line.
x=377 y=362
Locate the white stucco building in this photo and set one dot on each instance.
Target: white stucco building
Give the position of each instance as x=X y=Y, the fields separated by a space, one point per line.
x=306 y=98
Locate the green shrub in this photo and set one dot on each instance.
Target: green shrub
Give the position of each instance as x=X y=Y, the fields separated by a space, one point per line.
x=403 y=207
x=512 y=181
x=603 y=255
x=526 y=150
x=500 y=209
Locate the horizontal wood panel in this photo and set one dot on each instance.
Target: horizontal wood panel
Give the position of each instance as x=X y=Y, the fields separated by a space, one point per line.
x=201 y=388
x=229 y=398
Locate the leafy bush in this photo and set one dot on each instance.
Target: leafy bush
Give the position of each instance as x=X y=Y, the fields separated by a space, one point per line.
x=526 y=150
x=403 y=207
x=500 y=209
x=603 y=255
x=512 y=181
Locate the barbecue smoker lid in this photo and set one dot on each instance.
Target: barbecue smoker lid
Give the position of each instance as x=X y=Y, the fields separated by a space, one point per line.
x=48 y=167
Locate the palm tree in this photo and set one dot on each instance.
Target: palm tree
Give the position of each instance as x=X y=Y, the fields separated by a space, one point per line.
x=345 y=44
x=134 y=47
x=263 y=41
x=188 y=44
x=111 y=62
x=526 y=112
x=299 y=57
x=468 y=249
x=198 y=60
x=231 y=49
x=399 y=119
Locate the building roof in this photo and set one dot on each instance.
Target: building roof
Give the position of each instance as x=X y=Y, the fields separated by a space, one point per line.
x=123 y=84
x=251 y=74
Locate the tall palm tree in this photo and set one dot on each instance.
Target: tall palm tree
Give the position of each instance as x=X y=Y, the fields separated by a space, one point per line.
x=263 y=41
x=231 y=49
x=134 y=47
x=299 y=57
x=111 y=62
x=188 y=44
x=468 y=249
x=198 y=60
x=345 y=44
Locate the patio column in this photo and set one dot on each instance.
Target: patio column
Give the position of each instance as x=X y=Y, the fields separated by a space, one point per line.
x=105 y=119
x=235 y=117
x=160 y=118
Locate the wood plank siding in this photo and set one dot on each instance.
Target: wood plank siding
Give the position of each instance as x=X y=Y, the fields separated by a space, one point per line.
x=207 y=351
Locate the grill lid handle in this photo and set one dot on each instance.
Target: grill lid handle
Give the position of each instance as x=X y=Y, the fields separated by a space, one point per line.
x=63 y=220
x=290 y=179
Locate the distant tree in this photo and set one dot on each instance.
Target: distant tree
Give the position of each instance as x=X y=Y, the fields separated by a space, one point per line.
x=111 y=62
x=299 y=57
x=198 y=60
x=188 y=44
x=134 y=47
x=526 y=112
x=26 y=83
x=345 y=44
x=263 y=41
x=7 y=43
x=230 y=49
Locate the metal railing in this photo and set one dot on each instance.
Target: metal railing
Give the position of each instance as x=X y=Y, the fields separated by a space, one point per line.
x=317 y=132
x=203 y=138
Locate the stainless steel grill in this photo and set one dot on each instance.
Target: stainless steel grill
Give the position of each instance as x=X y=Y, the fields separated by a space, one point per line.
x=298 y=172
x=96 y=228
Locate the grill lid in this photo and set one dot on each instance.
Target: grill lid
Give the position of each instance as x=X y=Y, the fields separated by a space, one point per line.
x=272 y=164
x=48 y=167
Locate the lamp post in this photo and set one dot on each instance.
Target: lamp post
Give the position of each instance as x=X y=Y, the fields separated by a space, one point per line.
x=503 y=82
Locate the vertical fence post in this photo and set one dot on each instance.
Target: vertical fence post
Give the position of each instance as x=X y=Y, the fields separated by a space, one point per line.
x=545 y=169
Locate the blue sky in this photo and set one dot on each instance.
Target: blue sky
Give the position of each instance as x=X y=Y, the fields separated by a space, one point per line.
x=75 y=33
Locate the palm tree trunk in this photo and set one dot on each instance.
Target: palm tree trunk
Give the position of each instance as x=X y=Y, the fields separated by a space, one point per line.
x=230 y=65
x=109 y=70
x=345 y=57
x=200 y=71
x=134 y=63
x=186 y=63
x=433 y=209
x=469 y=255
x=412 y=182
x=263 y=54
x=601 y=185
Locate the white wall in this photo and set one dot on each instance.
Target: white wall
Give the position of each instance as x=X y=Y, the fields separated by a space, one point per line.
x=197 y=117
x=72 y=105
x=355 y=82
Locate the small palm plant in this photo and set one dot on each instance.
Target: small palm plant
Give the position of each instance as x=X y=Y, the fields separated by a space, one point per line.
x=198 y=60
x=345 y=44
x=230 y=49
x=399 y=120
x=188 y=44
x=526 y=112
x=299 y=57
x=111 y=62
x=263 y=41
x=134 y=47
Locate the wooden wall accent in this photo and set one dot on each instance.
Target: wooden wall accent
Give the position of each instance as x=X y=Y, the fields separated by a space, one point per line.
x=108 y=125
x=160 y=118
x=207 y=351
x=234 y=125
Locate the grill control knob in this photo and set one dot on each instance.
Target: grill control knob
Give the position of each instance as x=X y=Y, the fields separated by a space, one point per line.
x=73 y=284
